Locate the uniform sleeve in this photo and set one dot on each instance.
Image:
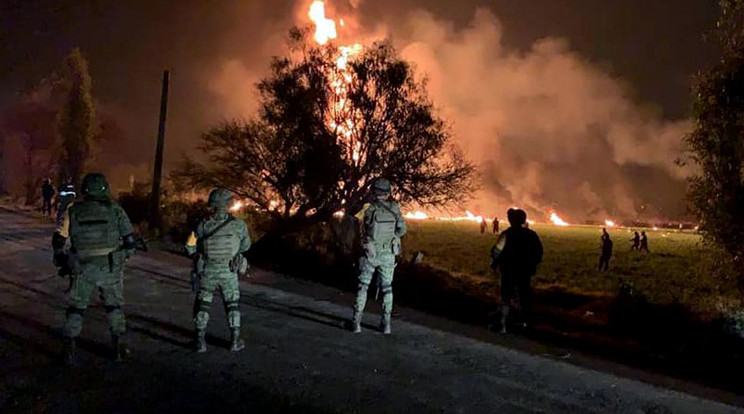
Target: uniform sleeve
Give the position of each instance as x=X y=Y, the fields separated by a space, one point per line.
x=245 y=238
x=125 y=226
x=400 y=223
x=193 y=240
x=63 y=229
x=369 y=215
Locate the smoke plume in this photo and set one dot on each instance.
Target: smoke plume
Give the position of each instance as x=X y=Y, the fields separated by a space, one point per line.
x=547 y=128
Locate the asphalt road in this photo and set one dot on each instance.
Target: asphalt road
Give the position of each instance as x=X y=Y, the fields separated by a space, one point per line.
x=298 y=356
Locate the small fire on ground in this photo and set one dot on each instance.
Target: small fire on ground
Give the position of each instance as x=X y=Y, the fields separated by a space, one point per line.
x=557 y=220
x=420 y=215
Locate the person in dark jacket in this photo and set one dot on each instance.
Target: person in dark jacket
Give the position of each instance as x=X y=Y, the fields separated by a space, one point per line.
x=516 y=255
x=636 y=241
x=606 y=246
x=47 y=192
x=644 y=243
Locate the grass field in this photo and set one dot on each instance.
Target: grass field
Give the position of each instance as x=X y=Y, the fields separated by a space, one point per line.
x=669 y=274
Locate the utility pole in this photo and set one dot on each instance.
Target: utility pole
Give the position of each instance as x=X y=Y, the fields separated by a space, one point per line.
x=158 y=170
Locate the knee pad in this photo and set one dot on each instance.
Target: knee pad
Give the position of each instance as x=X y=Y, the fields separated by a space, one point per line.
x=232 y=306
x=202 y=306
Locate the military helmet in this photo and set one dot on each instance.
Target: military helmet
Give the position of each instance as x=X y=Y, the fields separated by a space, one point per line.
x=220 y=198
x=381 y=186
x=96 y=186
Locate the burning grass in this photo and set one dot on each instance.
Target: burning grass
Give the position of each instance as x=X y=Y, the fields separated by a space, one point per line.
x=670 y=274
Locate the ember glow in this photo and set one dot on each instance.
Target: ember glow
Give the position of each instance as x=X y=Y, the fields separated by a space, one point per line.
x=556 y=220
x=237 y=205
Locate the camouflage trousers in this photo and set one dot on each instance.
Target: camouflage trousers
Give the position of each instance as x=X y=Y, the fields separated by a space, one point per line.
x=228 y=283
x=96 y=274
x=382 y=265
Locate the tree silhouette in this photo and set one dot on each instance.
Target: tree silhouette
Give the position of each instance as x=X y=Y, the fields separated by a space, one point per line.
x=327 y=129
x=717 y=143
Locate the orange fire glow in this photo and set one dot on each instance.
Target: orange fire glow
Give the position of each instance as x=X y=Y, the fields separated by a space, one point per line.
x=237 y=205
x=416 y=215
x=325 y=28
x=343 y=120
x=556 y=220
x=609 y=223
x=467 y=217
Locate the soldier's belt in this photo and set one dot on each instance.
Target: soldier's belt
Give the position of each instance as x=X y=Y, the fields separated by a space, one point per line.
x=94 y=252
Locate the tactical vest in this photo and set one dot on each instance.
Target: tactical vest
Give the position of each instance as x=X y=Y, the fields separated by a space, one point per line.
x=383 y=225
x=221 y=247
x=94 y=230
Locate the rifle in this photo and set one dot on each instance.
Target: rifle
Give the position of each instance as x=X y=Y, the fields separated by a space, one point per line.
x=64 y=268
x=196 y=271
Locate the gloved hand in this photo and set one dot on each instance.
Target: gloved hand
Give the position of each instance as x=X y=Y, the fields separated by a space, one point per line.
x=59 y=259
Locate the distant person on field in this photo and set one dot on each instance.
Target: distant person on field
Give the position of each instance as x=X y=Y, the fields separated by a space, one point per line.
x=47 y=192
x=606 y=248
x=516 y=254
x=644 y=242
x=495 y=225
x=605 y=235
x=636 y=242
x=483 y=226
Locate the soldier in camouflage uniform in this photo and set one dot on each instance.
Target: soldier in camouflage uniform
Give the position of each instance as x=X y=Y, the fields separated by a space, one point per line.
x=217 y=248
x=382 y=229
x=101 y=239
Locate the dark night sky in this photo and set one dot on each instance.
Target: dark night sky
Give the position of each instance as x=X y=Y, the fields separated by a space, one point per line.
x=654 y=46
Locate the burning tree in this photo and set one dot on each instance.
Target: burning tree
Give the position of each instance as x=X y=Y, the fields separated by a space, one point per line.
x=717 y=142
x=331 y=120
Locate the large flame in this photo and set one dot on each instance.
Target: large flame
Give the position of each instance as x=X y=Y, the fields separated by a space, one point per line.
x=555 y=219
x=325 y=28
x=609 y=223
x=342 y=119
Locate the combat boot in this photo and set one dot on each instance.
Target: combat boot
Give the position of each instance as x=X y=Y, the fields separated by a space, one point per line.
x=70 y=355
x=120 y=349
x=385 y=325
x=200 y=344
x=504 y=315
x=237 y=344
x=356 y=322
